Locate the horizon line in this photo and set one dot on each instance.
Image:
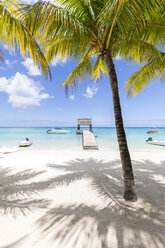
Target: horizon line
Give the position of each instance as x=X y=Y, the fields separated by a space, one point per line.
x=83 y=126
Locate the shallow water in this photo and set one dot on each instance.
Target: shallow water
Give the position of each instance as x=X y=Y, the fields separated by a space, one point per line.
x=106 y=138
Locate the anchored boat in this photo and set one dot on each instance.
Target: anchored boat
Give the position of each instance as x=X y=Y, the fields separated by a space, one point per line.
x=57 y=131
x=25 y=143
x=149 y=132
x=155 y=142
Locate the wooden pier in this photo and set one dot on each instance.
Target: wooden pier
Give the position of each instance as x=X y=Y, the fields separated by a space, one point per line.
x=89 y=141
x=83 y=122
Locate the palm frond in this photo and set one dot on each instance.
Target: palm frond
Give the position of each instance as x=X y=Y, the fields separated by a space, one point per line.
x=98 y=69
x=135 y=50
x=83 y=10
x=154 y=29
x=154 y=70
x=82 y=70
x=51 y=19
x=118 y=14
x=65 y=47
x=123 y=17
x=15 y=34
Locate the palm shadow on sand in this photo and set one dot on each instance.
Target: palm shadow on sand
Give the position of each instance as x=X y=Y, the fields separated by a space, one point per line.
x=117 y=224
x=17 y=197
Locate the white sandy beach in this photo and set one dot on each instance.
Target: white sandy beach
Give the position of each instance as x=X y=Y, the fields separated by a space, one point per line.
x=73 y=199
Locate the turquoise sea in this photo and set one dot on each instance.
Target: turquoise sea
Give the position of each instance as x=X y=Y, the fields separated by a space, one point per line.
x=106 y=138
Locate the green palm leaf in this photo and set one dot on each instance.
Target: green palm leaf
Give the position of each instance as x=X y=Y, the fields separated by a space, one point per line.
x=82 y=70
x=135 y=50
x=154 y=70
x=99 y=69
x=15 y=34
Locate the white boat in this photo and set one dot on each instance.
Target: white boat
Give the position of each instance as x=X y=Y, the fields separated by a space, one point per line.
x=57 y=131
x=155 y=142
x=25 y=143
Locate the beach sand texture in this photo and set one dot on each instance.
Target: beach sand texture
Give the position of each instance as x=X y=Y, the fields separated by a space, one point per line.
x=73 y=199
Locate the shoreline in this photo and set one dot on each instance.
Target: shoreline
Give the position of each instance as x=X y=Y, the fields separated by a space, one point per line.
x=71 y=150
x=106 y=139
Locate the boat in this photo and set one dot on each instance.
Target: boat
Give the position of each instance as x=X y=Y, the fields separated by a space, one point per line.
x=155 y=142
x=57 y=131
x=149 y=132
x=25 y=143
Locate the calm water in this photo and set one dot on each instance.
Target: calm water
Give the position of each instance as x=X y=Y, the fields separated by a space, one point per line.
x=106 y=138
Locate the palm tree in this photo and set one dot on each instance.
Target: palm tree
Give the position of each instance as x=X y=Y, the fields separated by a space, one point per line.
x=93 y=31
x=15 y=34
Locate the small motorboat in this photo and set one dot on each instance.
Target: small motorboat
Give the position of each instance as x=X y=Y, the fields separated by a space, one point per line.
x=155 y=142
x=57 y=131
x=149 y=132
x=25 y=143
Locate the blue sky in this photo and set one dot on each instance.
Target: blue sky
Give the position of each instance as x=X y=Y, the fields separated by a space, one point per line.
x=28 y=99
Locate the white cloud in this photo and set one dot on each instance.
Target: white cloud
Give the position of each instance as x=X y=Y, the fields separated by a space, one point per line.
x=31 y=67
x=23 y=92
x=72 y=97
x=58 y=61
x=90 y=92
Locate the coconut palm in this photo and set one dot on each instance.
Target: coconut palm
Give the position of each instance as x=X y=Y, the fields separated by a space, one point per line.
x=94 y=32
x=14 y=34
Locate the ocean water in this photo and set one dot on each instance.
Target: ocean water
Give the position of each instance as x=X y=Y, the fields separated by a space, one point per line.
x=106 y=138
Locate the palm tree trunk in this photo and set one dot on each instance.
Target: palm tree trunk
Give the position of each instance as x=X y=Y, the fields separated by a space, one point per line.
x=129 y=193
